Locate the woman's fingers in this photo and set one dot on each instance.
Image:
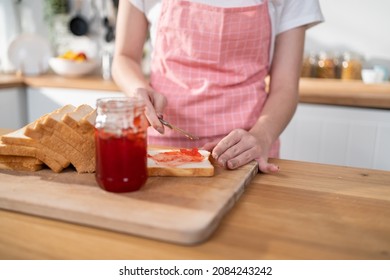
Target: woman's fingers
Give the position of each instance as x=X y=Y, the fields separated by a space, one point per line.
x=155 y=104
x=239 y=148
x=234 y=148
x=267 y=167
x=227 y=143
x=241 y=159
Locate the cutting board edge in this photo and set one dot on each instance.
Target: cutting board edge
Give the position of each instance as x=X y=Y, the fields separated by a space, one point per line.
x=188 y=237
x=175 y=172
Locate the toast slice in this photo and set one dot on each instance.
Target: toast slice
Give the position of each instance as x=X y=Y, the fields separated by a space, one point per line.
x=87 y=124
x=203 y=168
x=81 y=121
x=58 y=139
x=16 y=143
x=20 y=166
x=17 y=150
x=72 y=119
x=20 y=163
x=19 y=159
x=51 y=131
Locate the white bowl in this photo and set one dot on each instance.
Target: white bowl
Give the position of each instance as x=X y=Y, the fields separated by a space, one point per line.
x=70 y=68
x=370 y=76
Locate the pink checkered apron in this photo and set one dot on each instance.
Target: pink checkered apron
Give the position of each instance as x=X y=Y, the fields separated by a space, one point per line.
x=210 y=62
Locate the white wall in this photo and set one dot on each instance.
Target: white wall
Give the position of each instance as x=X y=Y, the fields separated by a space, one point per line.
x=356 y=25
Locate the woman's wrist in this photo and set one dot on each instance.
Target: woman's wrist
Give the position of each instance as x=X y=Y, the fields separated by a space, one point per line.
x=263 y=135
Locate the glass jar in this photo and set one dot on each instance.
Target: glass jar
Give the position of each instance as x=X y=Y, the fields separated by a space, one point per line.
x=309 y=65
x=337 y=60
x=326 y=66
x=121 y=145
x=351 y=67
x=306 y=67
x=106 y=65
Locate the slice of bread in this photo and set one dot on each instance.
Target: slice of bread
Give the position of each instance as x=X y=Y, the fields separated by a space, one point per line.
x=192 y=169
x=72 y=119
x=58 y=139
x=18 y=159
x=18 y=137
x=52 y=119
x=51 y=131
x=87 y=124
x=16 y=143
x=20 y=166
x=78 y=121
x=17 y=150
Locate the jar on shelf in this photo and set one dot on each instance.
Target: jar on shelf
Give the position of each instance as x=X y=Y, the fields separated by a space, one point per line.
x=121 y=149
x=326 y=66
x=338 y=61
x=351 y=68
x=309 y=65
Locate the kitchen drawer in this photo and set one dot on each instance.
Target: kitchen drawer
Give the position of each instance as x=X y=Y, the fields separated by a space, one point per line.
x=13 y=108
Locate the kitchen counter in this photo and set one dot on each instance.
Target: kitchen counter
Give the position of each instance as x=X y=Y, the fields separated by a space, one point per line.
x=317 y=91
x=306 y=211
x=10 y=81
x=345 y=93
x=86 y=82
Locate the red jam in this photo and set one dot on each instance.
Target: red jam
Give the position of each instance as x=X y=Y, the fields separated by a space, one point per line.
x=176 y=158
x=121 y=161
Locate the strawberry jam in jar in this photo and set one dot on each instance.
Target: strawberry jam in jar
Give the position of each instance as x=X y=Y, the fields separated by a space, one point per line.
x=121 y=148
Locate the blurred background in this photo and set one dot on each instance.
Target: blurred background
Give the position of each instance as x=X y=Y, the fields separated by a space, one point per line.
x=354 y=29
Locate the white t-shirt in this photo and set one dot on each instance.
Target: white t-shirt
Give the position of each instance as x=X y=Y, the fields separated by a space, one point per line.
x=284 y=14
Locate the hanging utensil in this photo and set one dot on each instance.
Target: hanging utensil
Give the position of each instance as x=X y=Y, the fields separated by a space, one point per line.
x=78 y=25
x=110 y=31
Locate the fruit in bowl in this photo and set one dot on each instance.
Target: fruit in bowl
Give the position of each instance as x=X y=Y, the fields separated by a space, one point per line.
x=75 y=56
x=72 y=64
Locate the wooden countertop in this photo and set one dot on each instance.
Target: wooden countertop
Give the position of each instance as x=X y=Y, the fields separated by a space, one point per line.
x=10 y=81
x=87 y=82
x=316 y=91
x=346 y=93
x=306 y=211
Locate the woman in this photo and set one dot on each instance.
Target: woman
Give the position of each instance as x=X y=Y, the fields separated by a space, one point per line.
x=209 y=62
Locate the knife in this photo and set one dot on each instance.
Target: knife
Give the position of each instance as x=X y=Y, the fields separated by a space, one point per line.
x=185 y=133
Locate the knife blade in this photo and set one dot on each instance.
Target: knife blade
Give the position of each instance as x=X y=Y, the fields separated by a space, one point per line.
x=185 y=133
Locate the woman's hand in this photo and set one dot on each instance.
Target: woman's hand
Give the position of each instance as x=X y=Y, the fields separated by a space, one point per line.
x=131 y=33
x=240 y=147
x=155 y=104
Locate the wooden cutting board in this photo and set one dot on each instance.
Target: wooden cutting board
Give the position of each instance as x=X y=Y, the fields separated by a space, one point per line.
x=183 y=210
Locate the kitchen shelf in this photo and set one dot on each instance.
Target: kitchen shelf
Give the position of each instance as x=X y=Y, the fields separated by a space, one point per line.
x=316 y=91
x=346 y=93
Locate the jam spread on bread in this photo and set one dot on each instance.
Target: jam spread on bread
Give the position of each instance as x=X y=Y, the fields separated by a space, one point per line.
x=177 y=157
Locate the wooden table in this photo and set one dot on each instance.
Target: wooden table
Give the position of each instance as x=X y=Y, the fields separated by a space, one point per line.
x=306 y=211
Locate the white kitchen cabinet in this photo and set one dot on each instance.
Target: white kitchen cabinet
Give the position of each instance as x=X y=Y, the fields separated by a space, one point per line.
x=41 y=101
x=13 y=108
x=349 y=136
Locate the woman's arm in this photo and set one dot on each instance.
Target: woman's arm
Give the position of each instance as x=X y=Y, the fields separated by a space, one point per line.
x=131 y=33
x=241 y=147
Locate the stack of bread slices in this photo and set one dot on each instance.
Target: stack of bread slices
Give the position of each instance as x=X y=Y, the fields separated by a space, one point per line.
x=61 y=138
